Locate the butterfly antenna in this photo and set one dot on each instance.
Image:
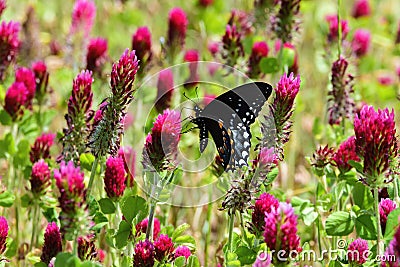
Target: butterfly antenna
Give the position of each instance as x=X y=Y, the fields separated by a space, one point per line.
x=197 y=92
x=184 y=94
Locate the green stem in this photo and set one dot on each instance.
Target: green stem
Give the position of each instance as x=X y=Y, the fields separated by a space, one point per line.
x=378 y=221
x=92 y=175
x=231 y=222
x=149 y=230
x=396 y=191
x=339 y=30
x=35 y=222
x=208 y=233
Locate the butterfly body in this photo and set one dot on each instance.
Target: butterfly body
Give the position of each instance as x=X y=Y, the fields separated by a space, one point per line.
x=228 y=118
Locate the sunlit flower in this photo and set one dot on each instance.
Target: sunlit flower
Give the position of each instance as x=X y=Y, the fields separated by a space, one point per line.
x=52 y=243
x=9 y=45
x=115 y=177
x=40 y=178
x=27 y=77
x=161 y=146
x=346 y=152
x=106 y=135
x=333 y=27
x=182 y=251
x=361 y=8
x=165 y=89
x=83 y=16
x=386 y=206
x=41 y=147
x=259 y=51
x=142 y=227
x=262 y=206
x=96 y=55
x=3 y=234
x=163 y=247
x=356 y=252
x=144 y=254
x=361 y=42
x=39 y=68
x=376 y=142
x=282 y=109
x=177 y=25
x=341 y=104
x=280 y=232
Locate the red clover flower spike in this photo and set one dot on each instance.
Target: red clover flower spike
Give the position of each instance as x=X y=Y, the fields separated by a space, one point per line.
x=105 y=137
x=40 y=178
x=284 y=24
x=232 y=47
x=141 y=43
x=115 y=177
x=161 y=146
x=341 y=105
x=346 y=152
x=52 y=243
x=41 y=147
x=9 y=45
x=376 y=143
x=83 y=16
x=165 y=89
x=177 y=26
x=144 y=254
x=386 y=206
x=357 y=251
x=259 y=51
x=96 y=55
x=3 y=234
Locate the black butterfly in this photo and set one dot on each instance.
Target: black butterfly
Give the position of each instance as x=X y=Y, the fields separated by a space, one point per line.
x=228 y=118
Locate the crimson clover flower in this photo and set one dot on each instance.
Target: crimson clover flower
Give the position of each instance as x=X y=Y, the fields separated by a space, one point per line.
x=341 y=104
x=361 y=8
x=16 y=100
x=213 y=48
x=206 y=3
x=3 y=234
x=393 y=251
x=27 y=77
x=129 y=156
x=192 y=56
x=334 y=28
x=144 y=254
x=106 y=135
x=263 y=205
x=87 y=249
x=78 y=118
x=161 y=146
x=52 y=243
x=345 y=153
x=165 y=89
x=258 y=52
x=9 y=45
x=39 y=68
x=115 y=177
x=232 y=47
x=182 y=251
x=142 y=227
x=322 y=157
x=386 y=206
x=40 y=178
x=83 y=16
x=280 y=232
x=163 y=247
x=70 y=184
x=282 y=109
x=357 y=252
x=361 y=42
x=242 y=20
x=2 y=6
x=285 y=23
x=177 y=26
x=263 y=260
x=41 y=147
x=96 y=55
x=376 y=143
x=141 y=43
x=265 y=161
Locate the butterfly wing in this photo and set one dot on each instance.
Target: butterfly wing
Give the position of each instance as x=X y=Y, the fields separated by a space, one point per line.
x=233 y=112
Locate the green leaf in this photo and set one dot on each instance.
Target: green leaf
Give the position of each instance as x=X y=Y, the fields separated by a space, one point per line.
x=362 y=196
x=86 y=160
x=65 y=259
x=21 y=158
x=179 y=230
x=122 y=235
x=245 y=255
x=288 y=55
x=335 y=264
x=186 y=240
x=5 y=118
x=6 y=199
x=26 y=200
x=180 y=261
x=392 y=224
x=12 y=248
x=339 y=223
x=366 y=227
x=90 y=264
x=310 y=217
x=8 y=144
x=107 y=206
x=126 y=261
x=134 y=207
x=356 y=165
x=269 y=65
x=193 y=261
